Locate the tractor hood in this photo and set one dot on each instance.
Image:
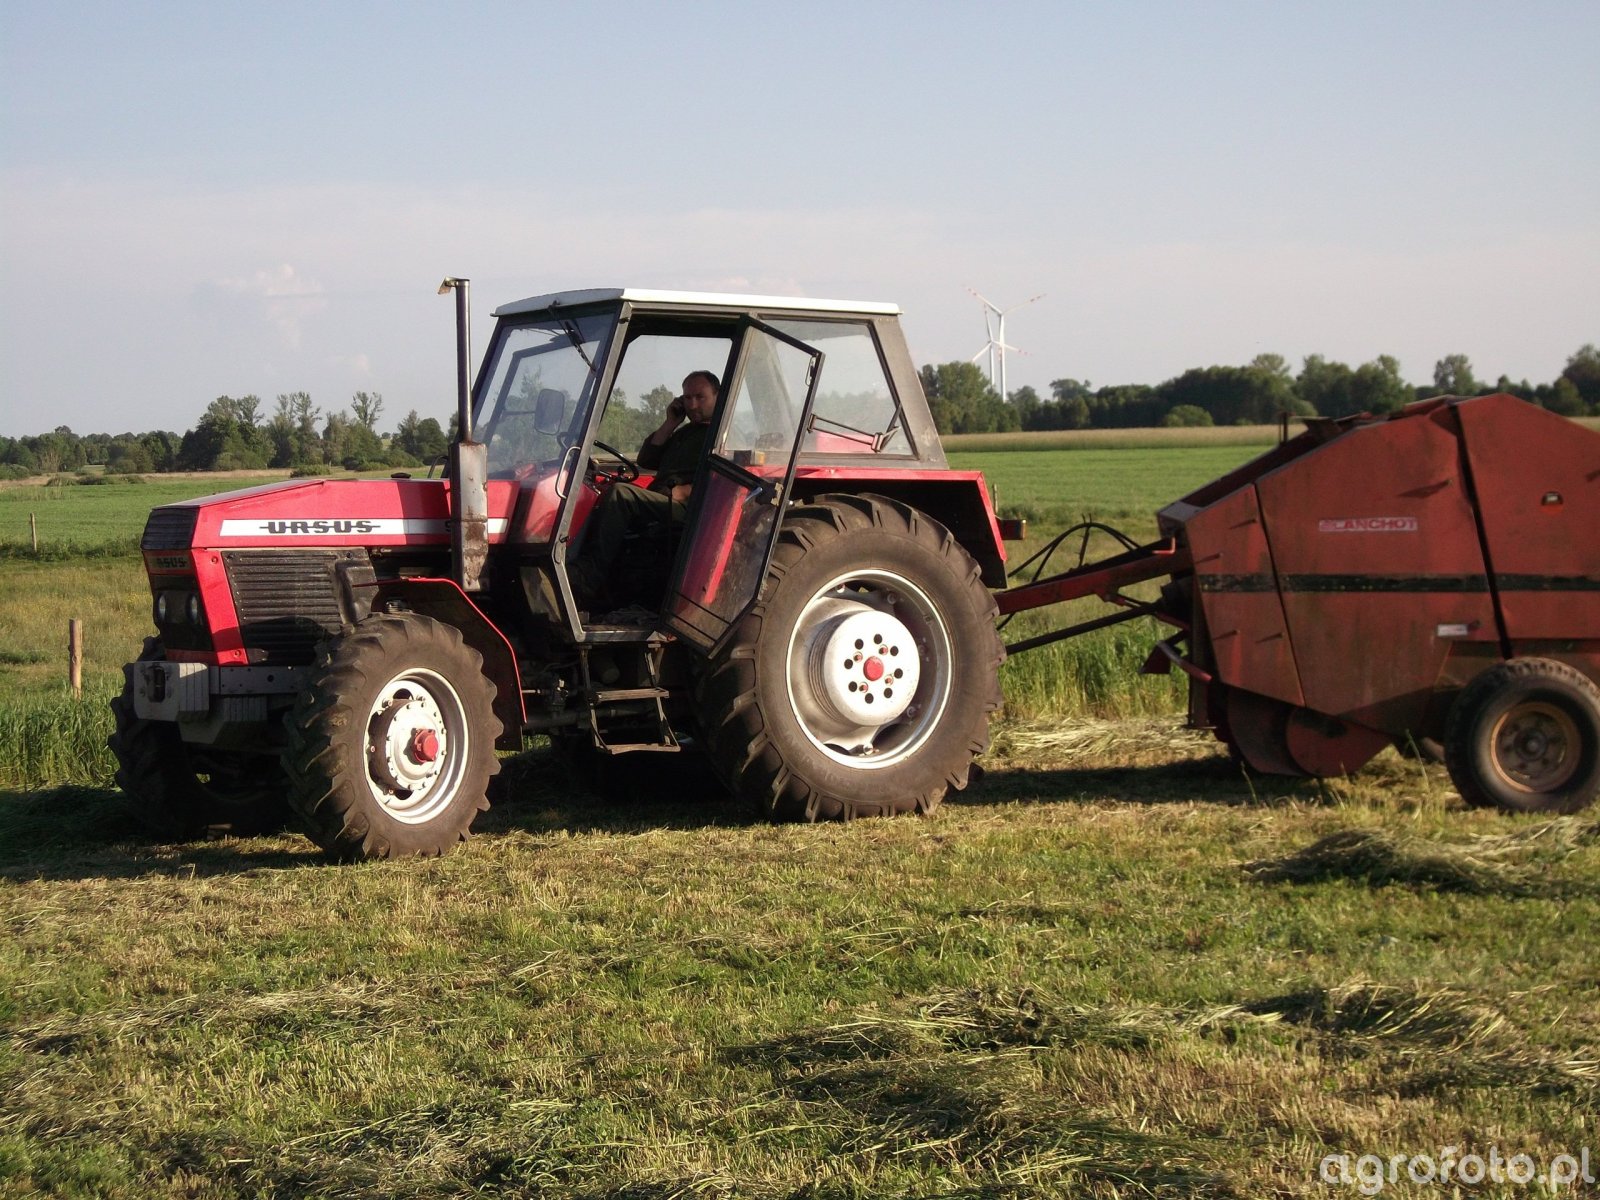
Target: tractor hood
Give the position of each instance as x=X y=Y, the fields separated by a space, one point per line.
x=322 y=512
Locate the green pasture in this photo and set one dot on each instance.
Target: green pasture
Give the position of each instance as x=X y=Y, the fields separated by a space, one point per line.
x=1055 y=489
x=1258 y=437
x=78 y=519
x=1116 y=966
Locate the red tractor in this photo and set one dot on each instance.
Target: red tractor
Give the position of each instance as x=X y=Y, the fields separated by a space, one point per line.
x=351 y=653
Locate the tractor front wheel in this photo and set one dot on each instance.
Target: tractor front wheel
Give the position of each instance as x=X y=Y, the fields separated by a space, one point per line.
x=862 y=681
x=391 y=746
x=1525 y=735
x=184 y=791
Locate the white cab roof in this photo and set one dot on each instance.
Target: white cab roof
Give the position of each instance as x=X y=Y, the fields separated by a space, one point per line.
x=708 y=299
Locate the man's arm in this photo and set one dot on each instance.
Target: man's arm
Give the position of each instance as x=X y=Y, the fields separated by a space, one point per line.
x=650 y=449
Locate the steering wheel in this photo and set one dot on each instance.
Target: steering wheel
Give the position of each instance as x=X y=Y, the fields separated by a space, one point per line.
x=626 y=470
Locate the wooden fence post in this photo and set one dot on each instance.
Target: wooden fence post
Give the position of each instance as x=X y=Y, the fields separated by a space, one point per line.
x=33 y=530
x=75 y=656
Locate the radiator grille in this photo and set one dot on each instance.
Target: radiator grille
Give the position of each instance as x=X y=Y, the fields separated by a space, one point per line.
x=287 y=600
x=169 y=528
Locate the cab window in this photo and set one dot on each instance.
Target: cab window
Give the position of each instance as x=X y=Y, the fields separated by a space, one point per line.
x=855 y=411
x=651 y=376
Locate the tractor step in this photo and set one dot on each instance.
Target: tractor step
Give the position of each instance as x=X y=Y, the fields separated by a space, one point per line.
x=609 y=695
x=626 y=719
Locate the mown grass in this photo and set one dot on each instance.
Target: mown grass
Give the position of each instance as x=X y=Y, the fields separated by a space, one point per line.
x=1077 y=980
x=1115 y=966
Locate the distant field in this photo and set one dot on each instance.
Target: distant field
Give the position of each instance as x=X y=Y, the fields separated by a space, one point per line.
x=1136 y=439
x=1054 y=488
x=104 y=515
x=1116 y=439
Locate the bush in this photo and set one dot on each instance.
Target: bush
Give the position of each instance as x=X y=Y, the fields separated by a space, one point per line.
x=1187 y=416
x=312 y=470
x=14 y=471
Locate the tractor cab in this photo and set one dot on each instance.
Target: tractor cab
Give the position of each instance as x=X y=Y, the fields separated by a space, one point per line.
x=574 y=382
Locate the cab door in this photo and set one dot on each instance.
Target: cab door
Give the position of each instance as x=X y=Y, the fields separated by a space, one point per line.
x=743 y=484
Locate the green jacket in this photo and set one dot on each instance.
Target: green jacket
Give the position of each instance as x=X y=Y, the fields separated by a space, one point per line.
x=677 y=459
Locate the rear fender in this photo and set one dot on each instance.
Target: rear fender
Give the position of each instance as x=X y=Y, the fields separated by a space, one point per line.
x=958 y=500
x=444 y=601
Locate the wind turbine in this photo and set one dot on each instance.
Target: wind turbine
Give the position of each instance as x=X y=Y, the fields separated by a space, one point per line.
x=994 y=324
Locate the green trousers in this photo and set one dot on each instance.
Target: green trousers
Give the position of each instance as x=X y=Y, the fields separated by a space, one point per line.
x=626 y=511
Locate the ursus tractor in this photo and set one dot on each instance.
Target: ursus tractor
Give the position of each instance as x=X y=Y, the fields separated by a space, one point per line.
x=819 y=625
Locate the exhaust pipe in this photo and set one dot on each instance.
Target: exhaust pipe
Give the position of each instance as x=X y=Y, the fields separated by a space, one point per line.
x=469 y=463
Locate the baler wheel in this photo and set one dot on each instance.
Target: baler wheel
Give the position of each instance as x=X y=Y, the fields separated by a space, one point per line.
x=184 y=791
x=391 y=745
x=861 y=682
x=1525 y=735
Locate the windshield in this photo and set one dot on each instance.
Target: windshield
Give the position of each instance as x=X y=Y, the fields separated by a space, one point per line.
x=536 y=391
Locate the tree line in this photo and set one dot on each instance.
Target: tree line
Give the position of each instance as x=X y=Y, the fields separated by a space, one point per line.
x=234 y=433
x=963 y=400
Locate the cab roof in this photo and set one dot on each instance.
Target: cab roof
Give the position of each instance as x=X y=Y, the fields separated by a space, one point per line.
x=702 y=299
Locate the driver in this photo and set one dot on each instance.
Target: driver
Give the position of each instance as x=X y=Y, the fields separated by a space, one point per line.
x=673 y=452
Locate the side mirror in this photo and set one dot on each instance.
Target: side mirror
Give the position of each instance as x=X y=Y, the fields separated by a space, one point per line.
x=550 y=411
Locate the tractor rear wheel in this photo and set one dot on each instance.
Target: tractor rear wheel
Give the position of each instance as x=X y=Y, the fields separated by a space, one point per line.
x=391 y=746
x=184 y=791
x=1525 y=735
x=861 y=682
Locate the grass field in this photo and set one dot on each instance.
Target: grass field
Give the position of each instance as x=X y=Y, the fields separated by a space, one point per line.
x=77 y=520
x=1125 y=488
x=1115 y=967
x=1259 y=436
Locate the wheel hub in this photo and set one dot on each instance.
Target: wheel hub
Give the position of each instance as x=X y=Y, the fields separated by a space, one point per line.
x=862 y=666
x=1535 y=747
x=424 y=746
x=408 y=743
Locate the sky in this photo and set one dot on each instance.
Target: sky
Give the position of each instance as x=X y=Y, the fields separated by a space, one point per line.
x=226 y=198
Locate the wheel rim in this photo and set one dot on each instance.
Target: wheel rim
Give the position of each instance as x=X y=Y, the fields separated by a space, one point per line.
x=417 y=743
x=869 y=669
x=1535 y=747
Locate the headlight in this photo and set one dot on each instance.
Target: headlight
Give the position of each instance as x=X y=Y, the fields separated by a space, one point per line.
x=161 y=609
x=191 y=608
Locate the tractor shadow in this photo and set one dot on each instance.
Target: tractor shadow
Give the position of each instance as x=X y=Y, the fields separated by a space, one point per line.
x=543 y=791
x=76 y=832
x=1210 y=779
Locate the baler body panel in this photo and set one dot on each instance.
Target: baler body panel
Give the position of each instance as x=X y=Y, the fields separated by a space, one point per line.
x=1537 y=478
x=1238 y=585
x=1379 y=565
